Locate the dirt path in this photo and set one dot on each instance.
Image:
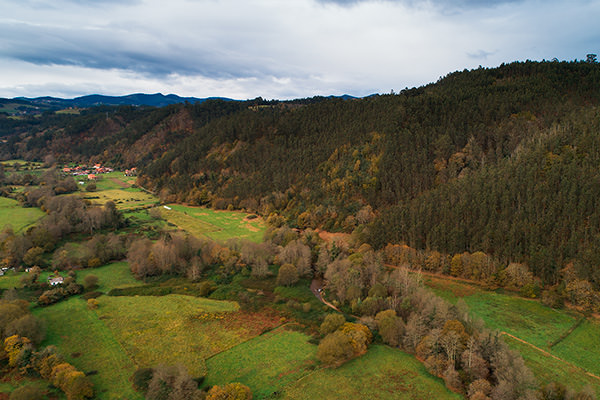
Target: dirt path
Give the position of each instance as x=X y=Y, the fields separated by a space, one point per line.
x=316 y=286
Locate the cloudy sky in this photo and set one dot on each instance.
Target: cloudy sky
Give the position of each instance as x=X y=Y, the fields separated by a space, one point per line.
x=275 y=48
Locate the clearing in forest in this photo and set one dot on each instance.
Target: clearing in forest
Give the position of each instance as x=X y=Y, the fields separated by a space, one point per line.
x=213 y=224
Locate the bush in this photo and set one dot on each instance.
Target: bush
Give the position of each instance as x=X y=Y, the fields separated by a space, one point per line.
x=90 y=282
x=331 y=323
x=28 y=392
x=288 y=275
x=335 y=349
x=141 y=379
x=92 y=304
x=231 y=391
x=92 y=295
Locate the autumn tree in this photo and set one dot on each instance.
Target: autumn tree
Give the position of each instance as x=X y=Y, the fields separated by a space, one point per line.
x=230 y=391
x=287 y=275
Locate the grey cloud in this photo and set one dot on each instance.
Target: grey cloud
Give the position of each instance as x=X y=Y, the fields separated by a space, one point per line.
x=442 y=4
x=481 y=54
x=104 y=49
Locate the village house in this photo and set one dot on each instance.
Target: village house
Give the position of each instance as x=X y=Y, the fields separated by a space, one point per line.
x=55 y=280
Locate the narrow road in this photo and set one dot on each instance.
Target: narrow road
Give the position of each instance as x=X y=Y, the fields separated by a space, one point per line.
x=316 y=286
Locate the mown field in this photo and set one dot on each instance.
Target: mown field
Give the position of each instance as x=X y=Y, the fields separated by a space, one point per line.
x=392 y=374
x=536 y=324
x=19 y=218
x=213 y=224
x=267 y=363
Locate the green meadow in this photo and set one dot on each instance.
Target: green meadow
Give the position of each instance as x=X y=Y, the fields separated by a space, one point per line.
x=213 y=224
x=537 y=324
x=20 y=218
x=124 y=198
x=111 y=276
x=392 y=374
x=267 y=363
x=548 y=369
x=86 y=342
x=170 y=329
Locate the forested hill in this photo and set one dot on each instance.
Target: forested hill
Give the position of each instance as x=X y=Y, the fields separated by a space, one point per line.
x=502 y=160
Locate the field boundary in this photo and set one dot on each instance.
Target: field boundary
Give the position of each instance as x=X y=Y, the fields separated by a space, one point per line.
x=568 y=332
x=550 y=354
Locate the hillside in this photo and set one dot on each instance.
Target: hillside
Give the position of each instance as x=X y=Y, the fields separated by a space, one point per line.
x=501 y=160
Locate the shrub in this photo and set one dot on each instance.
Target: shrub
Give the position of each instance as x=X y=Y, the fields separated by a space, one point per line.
x=230 y=391
x=92 y=295
x=92 y=304
x=141 y=379
x=288 y=275
x=335 y=349
x=90 y=282
x=331 y=323
x=28 y=392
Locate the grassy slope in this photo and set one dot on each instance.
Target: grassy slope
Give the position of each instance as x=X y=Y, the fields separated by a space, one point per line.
x=155 y=330
x=537 y=324
x=548 y=369
x=216 y=225
x=15 y=215
x=114 y=275
x=266 y=363
x=75 y=330
x=581 y=347
x=382 y=373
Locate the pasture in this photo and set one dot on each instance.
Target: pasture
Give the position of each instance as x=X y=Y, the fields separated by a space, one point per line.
x=111 y=276
x=392 y=374
x=124 y=198
x=581 y=347
x=213 y=224
x=267 y=363
x=87 y=343
x=20 y=218
x=533 y=322
x=177 y=328
x=548 y=369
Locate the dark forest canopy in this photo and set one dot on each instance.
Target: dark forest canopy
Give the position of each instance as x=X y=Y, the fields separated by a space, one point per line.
x=502 y=160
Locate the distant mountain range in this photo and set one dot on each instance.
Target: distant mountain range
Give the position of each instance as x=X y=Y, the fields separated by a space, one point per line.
x=137 y=99
x=37 y=105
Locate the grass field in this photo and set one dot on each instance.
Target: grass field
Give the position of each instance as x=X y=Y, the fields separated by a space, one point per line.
x=581 y=347
x=10 y=279
x=266 y=363
x=547 y=369
x=535 y=323
x=176 y=328
x=125 y=199
x=90 y=345
x=216 y=225
x=18 y=217
x=114 y=180
x=111 y=276
x=525 y=318
x=392 y=374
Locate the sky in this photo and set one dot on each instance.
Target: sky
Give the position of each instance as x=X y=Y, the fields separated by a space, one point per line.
x=275 y=49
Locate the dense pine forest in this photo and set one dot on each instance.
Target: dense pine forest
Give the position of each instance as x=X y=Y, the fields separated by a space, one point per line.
x=503 y=161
